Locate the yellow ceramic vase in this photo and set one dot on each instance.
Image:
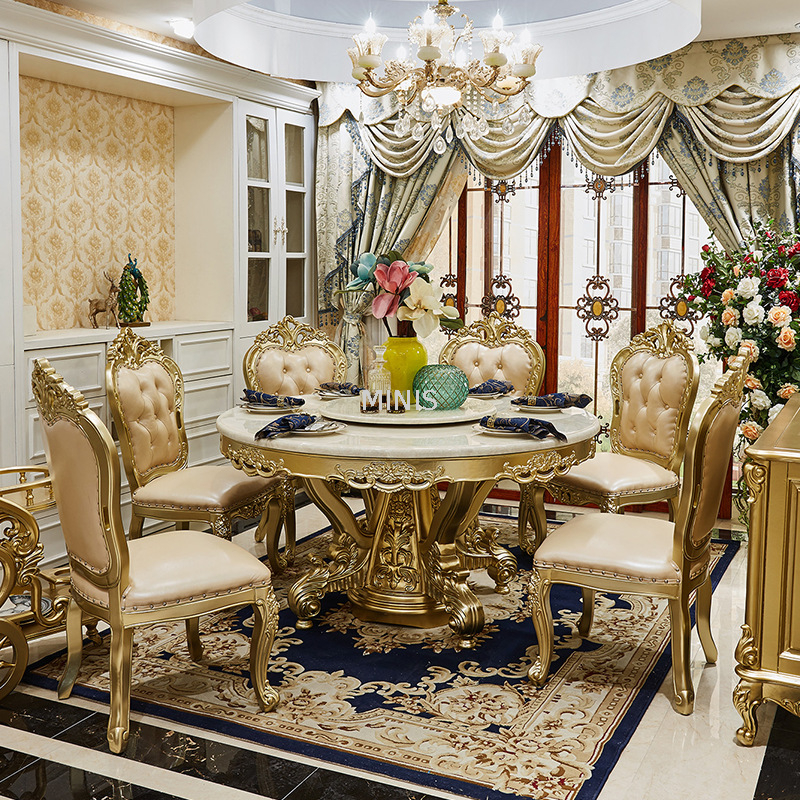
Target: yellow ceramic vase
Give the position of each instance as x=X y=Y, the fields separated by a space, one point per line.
x=404 y=356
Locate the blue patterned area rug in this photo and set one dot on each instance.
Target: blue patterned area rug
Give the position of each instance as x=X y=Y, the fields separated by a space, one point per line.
x=406 y=703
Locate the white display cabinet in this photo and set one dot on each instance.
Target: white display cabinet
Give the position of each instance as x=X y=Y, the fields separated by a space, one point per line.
x=211 y=101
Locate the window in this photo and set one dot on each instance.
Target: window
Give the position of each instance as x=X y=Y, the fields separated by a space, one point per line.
x=669 y=219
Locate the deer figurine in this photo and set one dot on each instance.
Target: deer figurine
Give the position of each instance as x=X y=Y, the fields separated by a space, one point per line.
x=104 y=305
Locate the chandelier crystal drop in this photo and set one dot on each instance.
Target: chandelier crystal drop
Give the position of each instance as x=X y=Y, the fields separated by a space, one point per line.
x=449 y=76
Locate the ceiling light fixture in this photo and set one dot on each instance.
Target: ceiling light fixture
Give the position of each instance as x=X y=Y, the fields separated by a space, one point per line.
x=182 y=27
x=449 y=76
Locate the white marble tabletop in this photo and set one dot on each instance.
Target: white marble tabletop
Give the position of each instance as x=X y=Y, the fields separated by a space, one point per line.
x=396 y=440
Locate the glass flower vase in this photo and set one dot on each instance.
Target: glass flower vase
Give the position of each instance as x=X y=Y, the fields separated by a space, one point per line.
x=404 y=356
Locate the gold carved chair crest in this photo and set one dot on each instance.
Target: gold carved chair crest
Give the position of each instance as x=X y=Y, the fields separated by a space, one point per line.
x=290 y=358
x=647 y=556
x=176 y=575
x=653 y=387
x=495 y=347
x=145 y=391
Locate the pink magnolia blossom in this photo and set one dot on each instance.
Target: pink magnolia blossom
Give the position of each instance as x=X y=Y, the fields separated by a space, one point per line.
x=393 y=280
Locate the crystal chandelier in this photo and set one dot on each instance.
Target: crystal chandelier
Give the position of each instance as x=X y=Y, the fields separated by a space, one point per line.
x=449 y=77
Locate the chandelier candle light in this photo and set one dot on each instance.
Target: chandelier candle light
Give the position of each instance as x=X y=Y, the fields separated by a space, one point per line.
x=448 y=73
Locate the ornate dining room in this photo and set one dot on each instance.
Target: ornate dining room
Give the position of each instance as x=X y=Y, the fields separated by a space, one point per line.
x=456 y=334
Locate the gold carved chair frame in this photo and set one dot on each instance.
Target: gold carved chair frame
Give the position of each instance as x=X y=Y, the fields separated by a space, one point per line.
x=565 y=557
x=663 y=341
x=105 y=571
x=495 y=332
x=290 y=336
x=274 y=506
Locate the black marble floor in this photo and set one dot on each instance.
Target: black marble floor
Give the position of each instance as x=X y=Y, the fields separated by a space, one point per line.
x=26 y=777
x=780 y=770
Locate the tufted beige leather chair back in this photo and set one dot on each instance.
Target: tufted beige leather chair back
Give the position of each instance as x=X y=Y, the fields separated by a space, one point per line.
x=653 y=386
x=292 y=358
x=84 y=469
x=494 y=347
x=145 y=393
x=709 y=448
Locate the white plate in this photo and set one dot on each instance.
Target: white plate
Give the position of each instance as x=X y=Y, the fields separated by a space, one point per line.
x=500 y=431
x=538 y=409
x=255 y=408
x=489 y=396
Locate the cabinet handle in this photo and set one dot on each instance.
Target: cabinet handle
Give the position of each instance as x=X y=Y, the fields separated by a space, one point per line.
x=281 y=230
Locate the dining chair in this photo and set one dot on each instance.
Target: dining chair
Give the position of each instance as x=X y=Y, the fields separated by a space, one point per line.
x=653 y=384
x=292 y=358
x=174 y=575
x=145 y=394
x=495 y=347
x=648 y=556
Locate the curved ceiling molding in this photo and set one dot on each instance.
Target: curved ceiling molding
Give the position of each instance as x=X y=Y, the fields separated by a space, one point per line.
x=307 y=39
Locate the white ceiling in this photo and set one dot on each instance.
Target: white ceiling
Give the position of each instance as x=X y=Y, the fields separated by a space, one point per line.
x=721 y=19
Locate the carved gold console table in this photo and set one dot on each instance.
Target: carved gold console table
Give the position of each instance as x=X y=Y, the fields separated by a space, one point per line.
x=408 y=561
x=768 y=653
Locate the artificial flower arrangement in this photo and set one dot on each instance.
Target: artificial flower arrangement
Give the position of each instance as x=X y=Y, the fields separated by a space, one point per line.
x=751 y=299
x=402 y=290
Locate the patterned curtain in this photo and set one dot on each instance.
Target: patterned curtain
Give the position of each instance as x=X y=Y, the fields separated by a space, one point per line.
x=739 y=97
x=361 y=208
x=731 y=196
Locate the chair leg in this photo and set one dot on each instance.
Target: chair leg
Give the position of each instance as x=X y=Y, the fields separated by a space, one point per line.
x=587 y=613
x=680 y=628
x=137 y=523
x=182 y=525
x=702 y=610
x=265 y=609
x=120 y=670
x=193 y=639
x=543 y=625
x=531 y=511
x=672 y=503
x=74 y=650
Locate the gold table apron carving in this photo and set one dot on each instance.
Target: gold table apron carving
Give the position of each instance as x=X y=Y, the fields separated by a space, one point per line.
x=407 y=561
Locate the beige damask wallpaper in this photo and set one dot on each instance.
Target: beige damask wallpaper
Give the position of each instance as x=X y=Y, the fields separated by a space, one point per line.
x=97 y=183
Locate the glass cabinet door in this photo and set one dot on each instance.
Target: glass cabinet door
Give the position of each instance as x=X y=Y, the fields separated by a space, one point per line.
x=259 y=216
x=278 y=172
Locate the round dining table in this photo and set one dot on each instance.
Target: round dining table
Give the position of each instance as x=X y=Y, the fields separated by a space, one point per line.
x=408 y=559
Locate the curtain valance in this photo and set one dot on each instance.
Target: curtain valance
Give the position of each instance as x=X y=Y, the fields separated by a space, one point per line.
x=740 y=98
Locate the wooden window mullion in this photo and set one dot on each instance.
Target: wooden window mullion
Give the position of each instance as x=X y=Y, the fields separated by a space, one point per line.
x=549 y=252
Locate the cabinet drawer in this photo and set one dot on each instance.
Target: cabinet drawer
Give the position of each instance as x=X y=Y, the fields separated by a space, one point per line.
x=205 y=400
x=203 y=355
x=34 y=445
x=204 y=446
x=83 y=366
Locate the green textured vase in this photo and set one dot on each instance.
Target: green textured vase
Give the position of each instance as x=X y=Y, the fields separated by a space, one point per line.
x=446 y=384
x=404 y=356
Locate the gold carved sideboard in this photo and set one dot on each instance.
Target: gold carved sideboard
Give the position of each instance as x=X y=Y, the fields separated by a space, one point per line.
x=768 y=653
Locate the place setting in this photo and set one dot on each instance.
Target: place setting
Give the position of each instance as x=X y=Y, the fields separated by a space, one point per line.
x=550 y=403
x=299 y=424
x=265 y=403
x=510 y=426
x=333 y=390
x=491 y=389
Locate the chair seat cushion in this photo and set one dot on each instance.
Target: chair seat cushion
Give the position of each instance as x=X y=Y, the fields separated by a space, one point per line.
x=613 y=473
x=613 y=545
x=175 y=567
x=214 y=487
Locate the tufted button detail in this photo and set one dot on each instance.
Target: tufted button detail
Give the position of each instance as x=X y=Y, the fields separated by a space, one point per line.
x=477 y=364
x=308 y=369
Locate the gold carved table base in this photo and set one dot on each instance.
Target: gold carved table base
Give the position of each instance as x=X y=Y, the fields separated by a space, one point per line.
x=408 y=561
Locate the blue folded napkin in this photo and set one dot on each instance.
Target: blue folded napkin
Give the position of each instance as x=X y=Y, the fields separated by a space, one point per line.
x=538 y=428
x=492 y=386
x=555 y=400
x=342 y=388
x=271 y=400
x=284 y=424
